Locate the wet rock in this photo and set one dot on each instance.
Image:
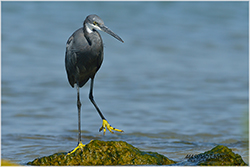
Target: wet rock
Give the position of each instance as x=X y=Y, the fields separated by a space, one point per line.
x=105 y=153
x=218 y=156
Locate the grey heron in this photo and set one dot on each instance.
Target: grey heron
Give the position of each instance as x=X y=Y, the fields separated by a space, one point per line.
x=83 y=58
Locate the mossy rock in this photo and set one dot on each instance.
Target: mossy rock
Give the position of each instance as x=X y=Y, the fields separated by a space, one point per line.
x=7 y=163
x=104 y=153
x=218 y=156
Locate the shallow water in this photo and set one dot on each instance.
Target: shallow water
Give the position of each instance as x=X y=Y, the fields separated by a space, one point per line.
x=177 y=86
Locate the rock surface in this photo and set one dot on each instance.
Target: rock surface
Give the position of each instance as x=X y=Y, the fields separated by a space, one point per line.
x=218 y=156
x=7 y=163
x=105 y=153
x=121 y=153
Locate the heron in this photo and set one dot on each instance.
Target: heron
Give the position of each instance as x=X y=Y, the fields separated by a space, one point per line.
x=83 y=58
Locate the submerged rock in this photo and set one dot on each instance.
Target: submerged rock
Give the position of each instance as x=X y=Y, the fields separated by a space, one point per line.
x=104 y=153
x=218 y=156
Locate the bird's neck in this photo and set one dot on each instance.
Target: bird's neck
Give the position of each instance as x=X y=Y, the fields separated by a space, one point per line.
x=92 y=36
x=87 y=31
x=88 y=28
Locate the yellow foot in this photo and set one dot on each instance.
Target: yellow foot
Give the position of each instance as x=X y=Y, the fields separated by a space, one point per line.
x=105 y=125
x=80 y=145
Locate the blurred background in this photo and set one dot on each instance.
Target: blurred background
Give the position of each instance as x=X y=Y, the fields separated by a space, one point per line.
x=177 y=86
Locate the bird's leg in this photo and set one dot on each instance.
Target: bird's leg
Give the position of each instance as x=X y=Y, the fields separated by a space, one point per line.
x=79 y=145
x=105 y=124
x=79 y=114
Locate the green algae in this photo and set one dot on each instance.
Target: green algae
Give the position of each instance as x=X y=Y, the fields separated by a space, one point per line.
x=104 y=153
x=121 y=153
x=218 y=156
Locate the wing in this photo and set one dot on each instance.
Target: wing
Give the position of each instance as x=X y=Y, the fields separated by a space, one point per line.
x=76 y=59
x=70 y=62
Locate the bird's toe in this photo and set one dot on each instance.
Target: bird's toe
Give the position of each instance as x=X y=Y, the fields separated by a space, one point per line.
x=79 y=146
x=106 y=125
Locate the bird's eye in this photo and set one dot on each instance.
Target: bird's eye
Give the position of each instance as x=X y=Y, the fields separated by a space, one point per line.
x=95 y=23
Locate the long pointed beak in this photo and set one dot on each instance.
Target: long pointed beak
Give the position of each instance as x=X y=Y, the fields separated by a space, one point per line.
x=107 y=30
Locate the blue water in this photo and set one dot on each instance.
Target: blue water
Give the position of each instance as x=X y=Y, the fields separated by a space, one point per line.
x=177 y=86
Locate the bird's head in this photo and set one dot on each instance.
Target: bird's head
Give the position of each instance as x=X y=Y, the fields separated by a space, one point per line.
x=94 y=22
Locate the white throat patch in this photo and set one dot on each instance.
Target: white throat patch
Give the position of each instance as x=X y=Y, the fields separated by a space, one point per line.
x=89 y=28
